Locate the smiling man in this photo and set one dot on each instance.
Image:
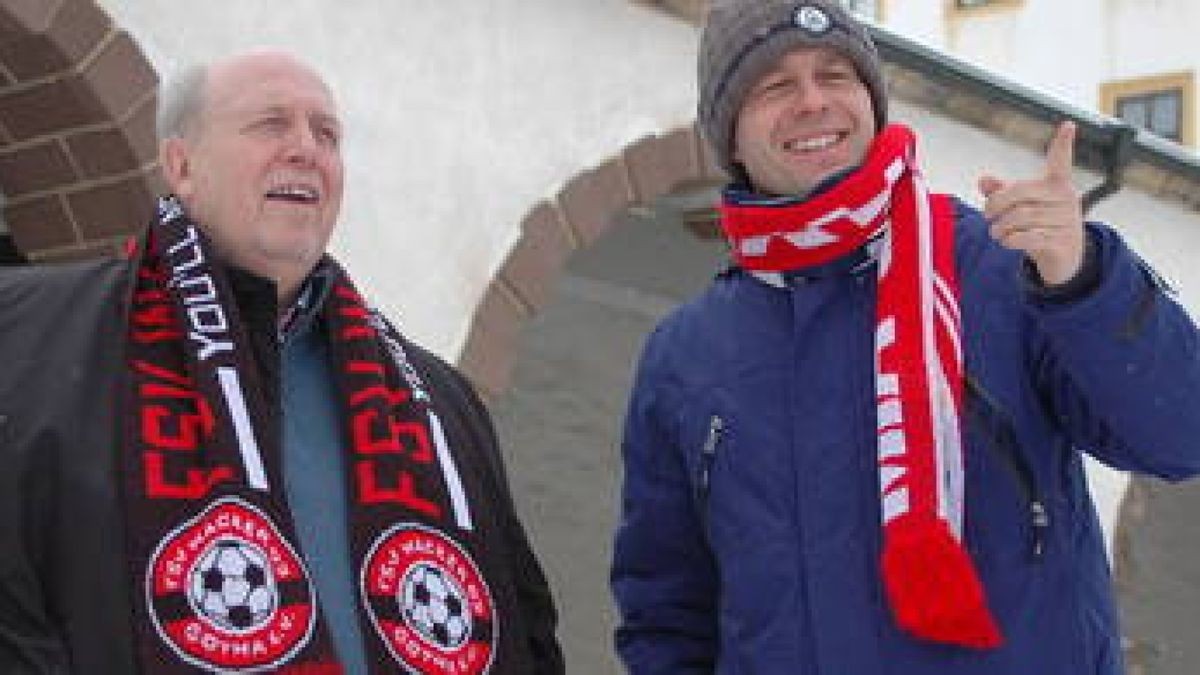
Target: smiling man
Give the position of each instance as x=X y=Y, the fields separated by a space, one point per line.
x=859 y=450
x=260 y=167
x=219 y=458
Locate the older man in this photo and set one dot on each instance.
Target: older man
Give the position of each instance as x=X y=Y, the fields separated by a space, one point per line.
x=218 y=458
x=859 y=451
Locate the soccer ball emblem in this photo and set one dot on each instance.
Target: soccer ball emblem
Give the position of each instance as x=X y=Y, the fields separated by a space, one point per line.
x=434 y=606
x=232 y=586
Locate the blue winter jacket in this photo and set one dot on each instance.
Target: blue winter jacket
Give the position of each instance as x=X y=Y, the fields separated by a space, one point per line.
x=750 y=534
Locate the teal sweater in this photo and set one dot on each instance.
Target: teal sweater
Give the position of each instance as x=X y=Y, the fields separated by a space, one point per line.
x=313 y=471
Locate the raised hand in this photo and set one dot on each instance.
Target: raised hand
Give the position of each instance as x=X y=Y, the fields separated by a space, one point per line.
x=1042 y=216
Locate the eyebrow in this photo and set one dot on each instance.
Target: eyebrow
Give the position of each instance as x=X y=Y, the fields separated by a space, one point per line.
x=837 y=58
x=324 y=118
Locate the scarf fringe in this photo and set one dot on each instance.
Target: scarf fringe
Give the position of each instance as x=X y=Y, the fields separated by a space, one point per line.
x=932 y=586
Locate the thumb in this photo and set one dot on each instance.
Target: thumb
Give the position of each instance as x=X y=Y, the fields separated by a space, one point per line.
x=989 y=185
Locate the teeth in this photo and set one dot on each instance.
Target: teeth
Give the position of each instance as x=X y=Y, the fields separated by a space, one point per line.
x=298 y=192
x=808 y=145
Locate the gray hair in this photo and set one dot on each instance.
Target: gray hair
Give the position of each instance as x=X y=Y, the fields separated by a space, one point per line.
x=181 y=103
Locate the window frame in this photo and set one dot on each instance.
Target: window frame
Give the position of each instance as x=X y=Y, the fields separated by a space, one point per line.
x=1114 y=92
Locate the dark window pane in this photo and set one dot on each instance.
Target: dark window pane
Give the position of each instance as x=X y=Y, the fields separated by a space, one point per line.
x=1164 y=115
x=1133 y=110
x=1159 y=112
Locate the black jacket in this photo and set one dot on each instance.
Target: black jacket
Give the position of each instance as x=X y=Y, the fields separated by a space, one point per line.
x=65 y=597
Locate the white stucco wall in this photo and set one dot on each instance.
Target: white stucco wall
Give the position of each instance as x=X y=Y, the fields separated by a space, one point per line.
x=463 y=114
x=1067 y=48
x=1164 y=233
x=460 y=116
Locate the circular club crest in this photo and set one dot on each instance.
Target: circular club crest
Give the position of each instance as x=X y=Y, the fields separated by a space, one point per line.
x=429 y=603
x=228 y=593
x=812 y=19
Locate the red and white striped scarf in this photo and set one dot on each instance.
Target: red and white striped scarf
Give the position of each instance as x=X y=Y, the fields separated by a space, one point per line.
x=931 y=582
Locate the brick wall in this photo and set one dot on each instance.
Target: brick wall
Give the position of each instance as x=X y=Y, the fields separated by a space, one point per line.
x=77 y=144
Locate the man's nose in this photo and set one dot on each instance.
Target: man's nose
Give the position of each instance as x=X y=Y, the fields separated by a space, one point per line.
x=809 y=97
x=302 y=145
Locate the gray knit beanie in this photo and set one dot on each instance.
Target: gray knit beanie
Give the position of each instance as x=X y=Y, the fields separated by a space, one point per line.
x=742 y=39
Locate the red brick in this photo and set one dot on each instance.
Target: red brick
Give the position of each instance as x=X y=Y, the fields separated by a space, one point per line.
x=35 y=168
x=18 y=17
x=72 y=33
x=78 y=27
x=490 y=353
x=119 y=149
x=49 y=108
x=120 y=76
x=40 y=224
x=659 y=163
x=113 y=210
x=33 y=56
x=592 y=199
x=535 y=260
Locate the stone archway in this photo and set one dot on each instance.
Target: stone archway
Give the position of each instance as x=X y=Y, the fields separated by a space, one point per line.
x=77 y=135
x=583 y=210
x=554 y=340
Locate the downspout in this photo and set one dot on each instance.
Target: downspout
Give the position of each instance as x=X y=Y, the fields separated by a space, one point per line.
x=1115 y=158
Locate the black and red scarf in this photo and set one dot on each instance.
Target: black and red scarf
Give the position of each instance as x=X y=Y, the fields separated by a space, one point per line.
x=931 y=583
x=220 y=582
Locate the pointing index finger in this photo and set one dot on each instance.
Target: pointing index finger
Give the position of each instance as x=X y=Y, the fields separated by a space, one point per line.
x=1060 y=155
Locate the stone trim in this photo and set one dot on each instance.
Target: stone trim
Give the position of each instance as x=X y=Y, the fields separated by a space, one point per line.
x=78 y=162
x=654 y=166
x=585 y=208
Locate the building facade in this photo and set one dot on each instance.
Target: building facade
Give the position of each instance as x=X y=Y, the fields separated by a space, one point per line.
x=505 y=157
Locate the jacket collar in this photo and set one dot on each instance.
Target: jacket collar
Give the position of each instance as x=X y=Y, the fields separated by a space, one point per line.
x=258 y=302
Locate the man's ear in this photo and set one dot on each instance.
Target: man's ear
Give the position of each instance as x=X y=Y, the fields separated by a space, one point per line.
x=175 y=160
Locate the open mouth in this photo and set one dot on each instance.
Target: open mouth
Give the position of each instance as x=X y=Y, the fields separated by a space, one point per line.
x=294 y=194
x=814 y=143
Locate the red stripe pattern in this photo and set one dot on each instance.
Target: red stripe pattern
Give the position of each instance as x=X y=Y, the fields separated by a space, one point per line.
x=932 y=585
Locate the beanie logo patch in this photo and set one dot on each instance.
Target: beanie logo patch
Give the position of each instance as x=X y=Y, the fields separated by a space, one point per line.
x=812 y=19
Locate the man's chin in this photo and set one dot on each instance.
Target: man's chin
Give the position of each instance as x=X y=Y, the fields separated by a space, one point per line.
x=291 y=252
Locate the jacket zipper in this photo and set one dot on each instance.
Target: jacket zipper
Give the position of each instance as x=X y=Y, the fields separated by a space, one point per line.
x=999 y=427
x=708 y=457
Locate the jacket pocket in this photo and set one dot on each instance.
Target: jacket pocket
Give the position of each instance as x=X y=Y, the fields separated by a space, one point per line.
x=706 y=462
x=996 y=425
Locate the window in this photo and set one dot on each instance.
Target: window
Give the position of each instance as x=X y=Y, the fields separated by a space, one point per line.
x=1159 y=112
x=1163 y=104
